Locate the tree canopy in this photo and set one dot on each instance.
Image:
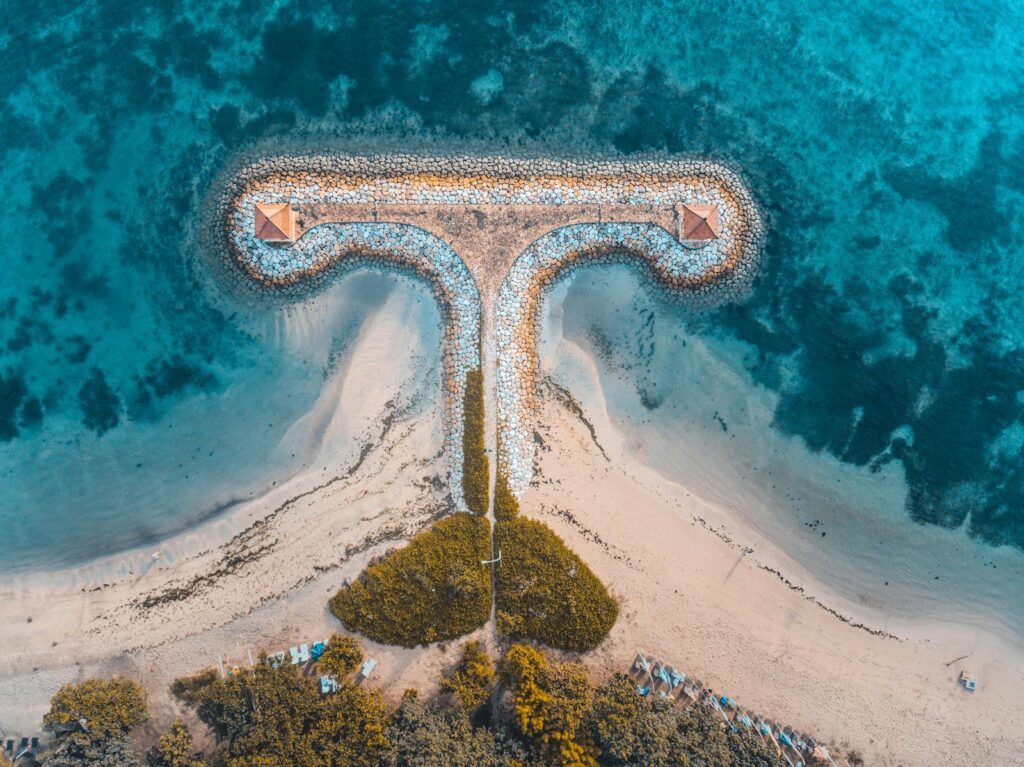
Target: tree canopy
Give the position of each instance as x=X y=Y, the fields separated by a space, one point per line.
x=269 y=717
x=342 y=656
x=472 y=680
x=427 y=735
x=544 y=714
x=551 y=702
x=96 y=709
x=175 y=749
x=431 y=590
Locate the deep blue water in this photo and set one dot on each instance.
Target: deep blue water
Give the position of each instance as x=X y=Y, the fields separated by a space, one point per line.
x=884 y=141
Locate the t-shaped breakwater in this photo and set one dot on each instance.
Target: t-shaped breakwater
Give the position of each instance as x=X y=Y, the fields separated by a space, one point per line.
x=490 y=235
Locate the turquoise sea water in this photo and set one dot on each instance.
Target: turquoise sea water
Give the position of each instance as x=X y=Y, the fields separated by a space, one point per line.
x=885 y=143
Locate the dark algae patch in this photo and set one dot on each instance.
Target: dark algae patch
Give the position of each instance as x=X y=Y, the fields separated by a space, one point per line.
x=101 y=407
x=12 y=393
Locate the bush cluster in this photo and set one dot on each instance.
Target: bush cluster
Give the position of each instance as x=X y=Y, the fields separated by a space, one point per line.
x=550 y=703
x=431 y=590
x=276 y=717
x=506 y=506
x=97 y=709
x=174 y=749
x=342 y=656
x=476 y=476
x=547 y=714
x=546 y=592
x=472 y=680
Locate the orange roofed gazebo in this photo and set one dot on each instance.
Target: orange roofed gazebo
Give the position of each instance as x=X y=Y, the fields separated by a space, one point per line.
x=700 y=222
x=275 y=222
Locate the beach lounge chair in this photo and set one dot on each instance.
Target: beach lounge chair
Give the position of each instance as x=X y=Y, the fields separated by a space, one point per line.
x=304 y=653
x=328 y=684
x=318 y=650
x=640 y=665
x=9 y=746
x=821 y=755
x=664 y=677
x=367 y=668
x=294 y=652
x=969 y=680
x=676 y=678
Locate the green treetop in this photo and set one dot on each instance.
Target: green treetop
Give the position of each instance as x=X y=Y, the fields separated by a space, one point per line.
x=96 y=709
x=342 y=656
x=472 y=680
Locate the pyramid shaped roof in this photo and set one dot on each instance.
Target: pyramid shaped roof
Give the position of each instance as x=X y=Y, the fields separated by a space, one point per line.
x=700 y=222
x=274 y=222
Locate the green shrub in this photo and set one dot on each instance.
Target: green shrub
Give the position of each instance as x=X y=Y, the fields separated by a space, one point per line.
x=471 y=681
x=271 y=717
x=476 y=476
x=546 y=592
x=174 y=749
x=433 y=589
x=427 y=735
x=97 y=709
x=551 y=703
x=506 y=506
x=188 y=688
x=342 y=656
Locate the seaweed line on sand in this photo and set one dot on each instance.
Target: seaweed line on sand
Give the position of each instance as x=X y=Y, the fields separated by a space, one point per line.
x=248 y=546
x=793 y=587
x=564 y=397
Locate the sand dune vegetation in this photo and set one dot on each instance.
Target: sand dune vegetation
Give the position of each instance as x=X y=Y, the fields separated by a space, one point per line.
x=431 y=590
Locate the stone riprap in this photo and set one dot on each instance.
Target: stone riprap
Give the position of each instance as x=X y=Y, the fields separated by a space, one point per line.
x=490 y=235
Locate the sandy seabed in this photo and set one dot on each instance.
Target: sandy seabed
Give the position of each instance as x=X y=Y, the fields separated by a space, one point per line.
x=702 y=583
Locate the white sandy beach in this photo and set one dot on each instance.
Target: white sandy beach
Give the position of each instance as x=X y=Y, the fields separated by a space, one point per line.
x=679 y=524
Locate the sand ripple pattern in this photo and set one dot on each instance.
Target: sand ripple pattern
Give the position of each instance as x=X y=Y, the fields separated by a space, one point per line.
x=720 y=271
x=327 y=251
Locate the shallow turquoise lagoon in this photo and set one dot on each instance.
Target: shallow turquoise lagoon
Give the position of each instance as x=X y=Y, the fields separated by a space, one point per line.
x=884 y=141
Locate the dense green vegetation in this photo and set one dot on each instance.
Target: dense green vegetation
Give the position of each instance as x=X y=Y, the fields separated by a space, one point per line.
x=550 y=702
x=472 y=680
x=431 y=590
x=630 y=730
x=476 y=477
x=431 y=735
x=546 y=592
x=174 y=749
x=91 y=721
x=506 y=506
x=271 y=717
x=545 y=714
x=96 y=709
x=342 y=656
